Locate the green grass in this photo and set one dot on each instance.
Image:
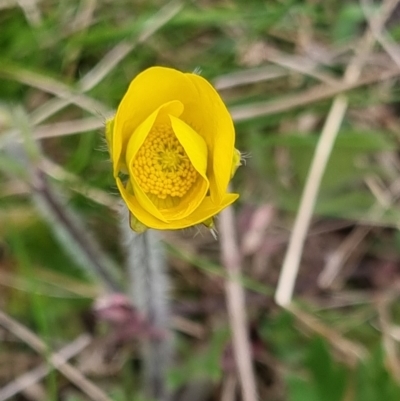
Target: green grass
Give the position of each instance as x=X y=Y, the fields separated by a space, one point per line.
x=53 y=48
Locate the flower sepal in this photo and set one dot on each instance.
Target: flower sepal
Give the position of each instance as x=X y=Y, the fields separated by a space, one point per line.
x=136 y=225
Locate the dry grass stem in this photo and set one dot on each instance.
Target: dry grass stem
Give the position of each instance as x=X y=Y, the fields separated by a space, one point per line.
x=79 y=186
x=48 y=109
x=71 y=373
x=291 y=263
x=249 y=76
x=301 y=65
x=55 y=130
x=380 y=35
x=54 y=87
x=229 y=385
x=84 y=15
x=284 y=63
x=385 y=199
x=68 y=127
x=35 y=375
x=315 y=94
x=89 y=81
x=118 y=53
x=46 y=289
x=31 y=11
x=188 y=327
x=389 y=344
x=7 y=4
x=235 y=298
x=64 y=94
x=350 y=351
x=341 y=255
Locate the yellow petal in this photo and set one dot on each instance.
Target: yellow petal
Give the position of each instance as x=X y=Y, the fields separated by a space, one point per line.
x=139 y=135
x=194 y=145
x=147 y=92
x=209 y=209
x=204 y=129
x=132 y=194
x=196 y=150
x=145 y=201
x=138 y=212
x=212 y=121
x=205 y=211
x=189 y=202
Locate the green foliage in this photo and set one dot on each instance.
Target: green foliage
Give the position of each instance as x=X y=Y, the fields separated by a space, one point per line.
x=201 y=363
x=352 y=159
x=348 y=22
x=300 y=389
x=48 y=290
x=329 y=378
x=374 y=382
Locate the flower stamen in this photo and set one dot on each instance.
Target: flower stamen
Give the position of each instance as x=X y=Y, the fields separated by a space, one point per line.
x=161 y=166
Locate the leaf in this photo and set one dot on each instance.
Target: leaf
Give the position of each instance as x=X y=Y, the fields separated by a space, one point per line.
x=348 y=22
x=373 y=381
x=329 y=377
x=300 y=389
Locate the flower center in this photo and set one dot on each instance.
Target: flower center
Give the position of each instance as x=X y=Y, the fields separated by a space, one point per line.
x=161 y=166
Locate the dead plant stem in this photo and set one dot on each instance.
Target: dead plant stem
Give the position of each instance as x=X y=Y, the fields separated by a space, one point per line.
x=290 y=267
x=71 y=373
x=235 y=299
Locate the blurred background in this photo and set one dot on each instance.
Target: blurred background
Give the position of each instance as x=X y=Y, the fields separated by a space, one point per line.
x=280 y=67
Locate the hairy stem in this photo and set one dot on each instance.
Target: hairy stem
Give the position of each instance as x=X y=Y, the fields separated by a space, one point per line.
x=149 y=291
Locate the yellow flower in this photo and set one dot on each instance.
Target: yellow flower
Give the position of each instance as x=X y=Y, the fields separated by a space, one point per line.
x=172 y=147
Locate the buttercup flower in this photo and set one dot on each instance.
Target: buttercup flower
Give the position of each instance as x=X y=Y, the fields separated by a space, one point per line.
x=172 y=147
